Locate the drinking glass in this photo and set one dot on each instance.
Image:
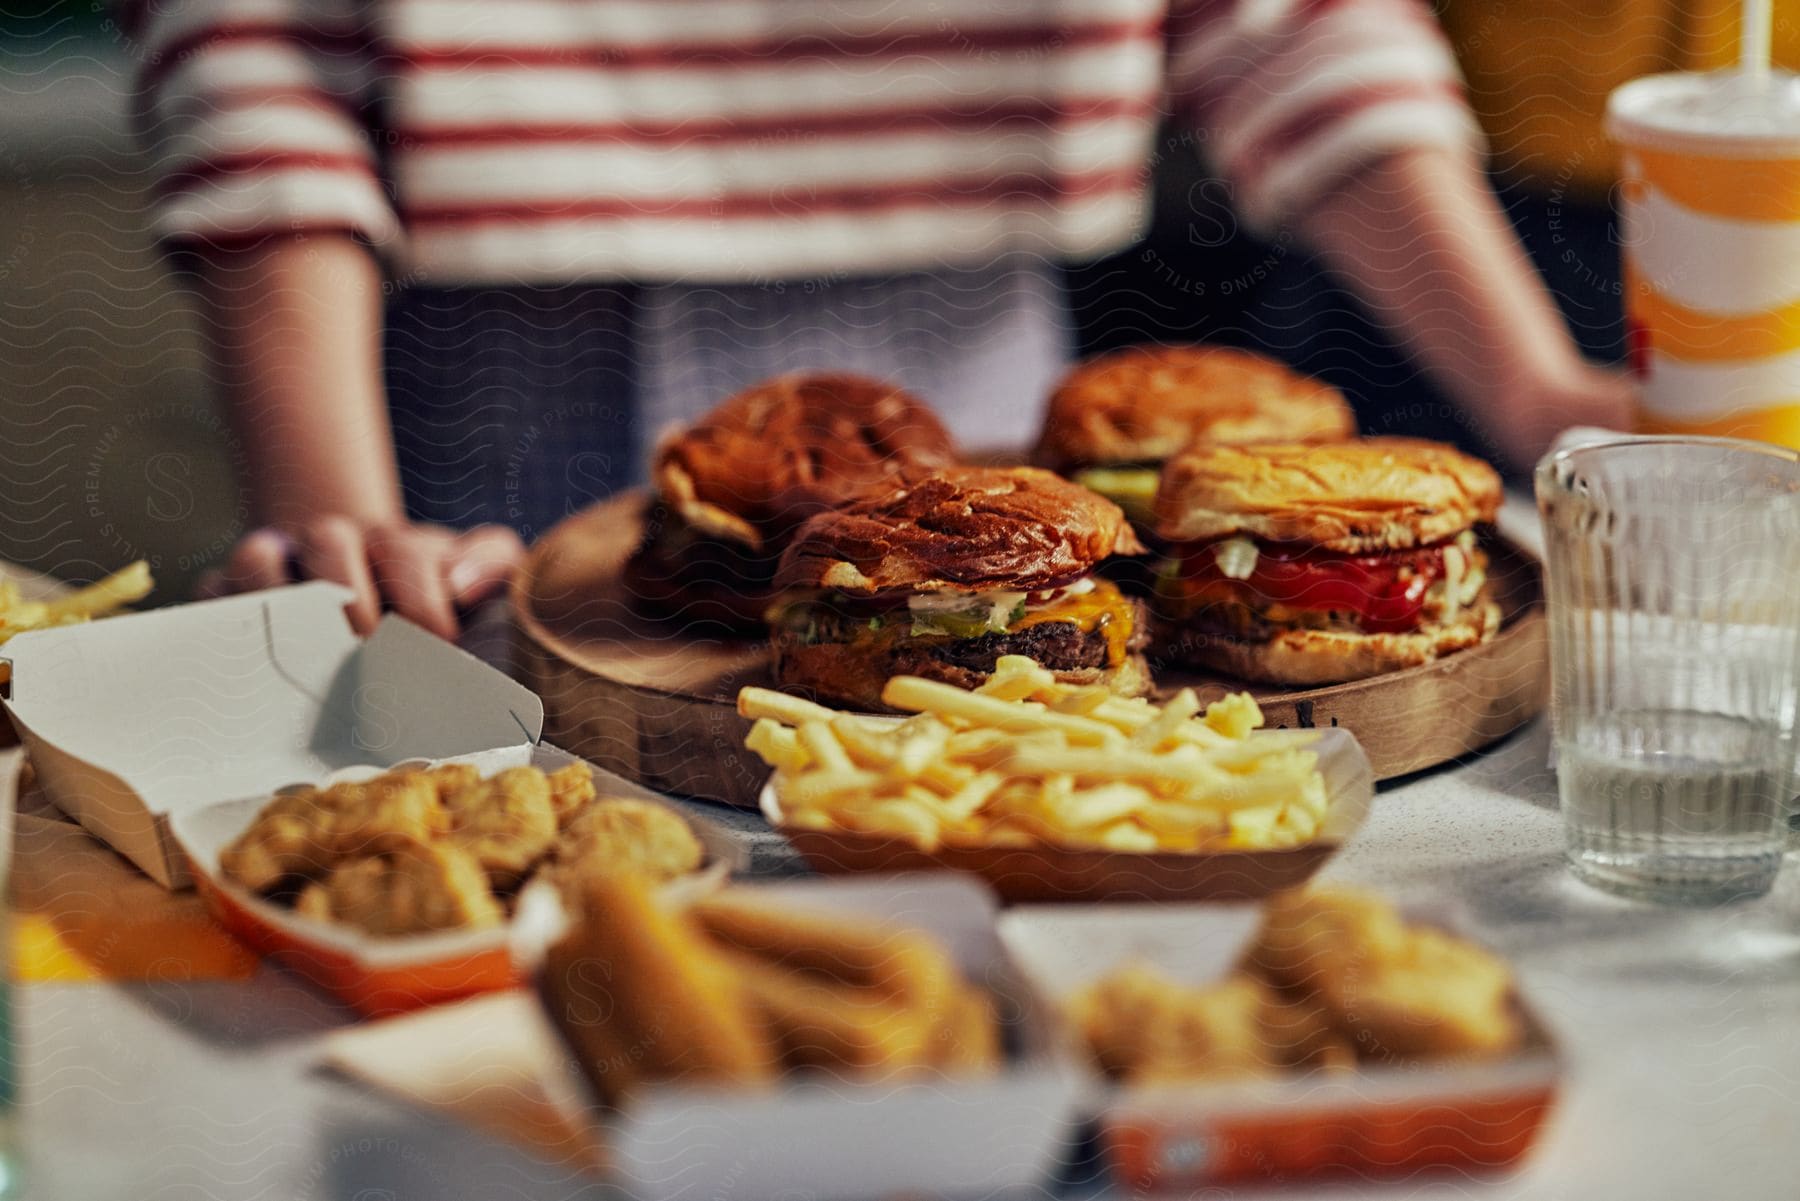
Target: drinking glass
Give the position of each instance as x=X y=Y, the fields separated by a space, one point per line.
x=1673 y=579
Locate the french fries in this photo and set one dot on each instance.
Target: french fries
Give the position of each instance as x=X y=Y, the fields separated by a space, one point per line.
x=18 y=615
x=1024 y=760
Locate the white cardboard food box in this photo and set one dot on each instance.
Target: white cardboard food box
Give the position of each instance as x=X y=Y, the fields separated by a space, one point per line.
x=134 y=719
x=831 y=1138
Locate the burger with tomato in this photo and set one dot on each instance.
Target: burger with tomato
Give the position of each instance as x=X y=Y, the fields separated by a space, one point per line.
x=1317 y=564
x=729 y=490
x=941 y=572
x=1115 y=419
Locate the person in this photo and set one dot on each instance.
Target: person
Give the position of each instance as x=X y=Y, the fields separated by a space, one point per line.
x=595 y=217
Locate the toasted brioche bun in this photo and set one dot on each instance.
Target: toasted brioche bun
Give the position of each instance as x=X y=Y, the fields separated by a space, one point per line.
x=1146 y=403
x=773 y=455
x=1310 y=657
x=1363 y=495
x=693 y=579
x=851 y=675
x=958 y=528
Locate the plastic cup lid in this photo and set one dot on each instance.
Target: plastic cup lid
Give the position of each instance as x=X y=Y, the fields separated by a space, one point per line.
x=1721 y=113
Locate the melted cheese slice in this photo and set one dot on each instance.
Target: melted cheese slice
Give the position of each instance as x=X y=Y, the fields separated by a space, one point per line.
x=1103 y=607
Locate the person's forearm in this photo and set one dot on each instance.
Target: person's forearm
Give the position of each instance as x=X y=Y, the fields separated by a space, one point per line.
x=1420 y=239
x=295 y=326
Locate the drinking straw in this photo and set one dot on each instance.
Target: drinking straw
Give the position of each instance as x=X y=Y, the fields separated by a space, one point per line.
x=1753 y=42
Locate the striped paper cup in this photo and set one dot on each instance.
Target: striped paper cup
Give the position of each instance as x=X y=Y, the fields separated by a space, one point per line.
x=1711 y=212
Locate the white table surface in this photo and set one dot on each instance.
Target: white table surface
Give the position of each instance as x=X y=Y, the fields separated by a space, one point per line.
x=1681 y=1030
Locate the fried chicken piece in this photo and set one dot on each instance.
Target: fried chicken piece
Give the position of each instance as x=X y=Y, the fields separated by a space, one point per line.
x=1308 y=938
x=314 y=902
x=505 y=821
x=621 y=832
x=1446 y=997
x=1299 y=1036
x=966 y=1039
x=904 y=965
x=307 y=833
x=291 y=836
x=370 y=811
x=405 y=887
x=1142 y=1027
x=640 y=995
x=571 y=791
x=832 y=1027
x=451 y=778
x=1399 y=991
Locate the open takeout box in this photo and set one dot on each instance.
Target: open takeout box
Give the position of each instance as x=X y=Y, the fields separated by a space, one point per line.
x=1055 y=873
x=381 y=976
x=809 y=1137
x=1381 y=1120
x=164 y=733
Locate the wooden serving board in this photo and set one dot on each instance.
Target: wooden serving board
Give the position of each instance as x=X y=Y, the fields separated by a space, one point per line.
x=658 y=704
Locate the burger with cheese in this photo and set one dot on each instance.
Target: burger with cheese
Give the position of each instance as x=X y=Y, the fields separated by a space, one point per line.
x=1115 y=419
x=1305 y=565
x=730 y=489
x=941 y=572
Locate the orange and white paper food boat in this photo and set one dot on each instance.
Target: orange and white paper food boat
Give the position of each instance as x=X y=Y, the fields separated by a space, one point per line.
x=1055 y=873
x=384 y=976
x=164 y=733
x=1380 y=1120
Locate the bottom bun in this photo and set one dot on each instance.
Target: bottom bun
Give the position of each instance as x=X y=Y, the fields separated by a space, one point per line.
x=847 y=675
x=1310 y=657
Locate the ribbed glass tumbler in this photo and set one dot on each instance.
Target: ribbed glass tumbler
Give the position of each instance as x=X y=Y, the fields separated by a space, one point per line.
x=1673 y=579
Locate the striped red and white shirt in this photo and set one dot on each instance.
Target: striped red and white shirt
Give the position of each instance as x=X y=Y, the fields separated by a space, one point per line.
x=497 y=141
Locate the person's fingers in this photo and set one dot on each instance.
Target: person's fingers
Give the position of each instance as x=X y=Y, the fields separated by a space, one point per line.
x=408 y=562
x=332 y=548
x=260 y=560
x=481 y=561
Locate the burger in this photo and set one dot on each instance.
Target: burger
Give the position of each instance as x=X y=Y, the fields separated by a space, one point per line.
x=730 y=489
x=941 y=572
x=1115 y=419
x=1306 y=565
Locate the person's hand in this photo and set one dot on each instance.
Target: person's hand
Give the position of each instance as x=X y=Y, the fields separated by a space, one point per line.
x=426 y=573
x=1526 y=420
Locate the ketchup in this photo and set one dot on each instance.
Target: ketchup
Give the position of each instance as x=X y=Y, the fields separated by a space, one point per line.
x=1305 y=577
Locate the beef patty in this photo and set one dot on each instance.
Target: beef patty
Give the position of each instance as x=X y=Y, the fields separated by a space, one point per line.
x=1057 y=645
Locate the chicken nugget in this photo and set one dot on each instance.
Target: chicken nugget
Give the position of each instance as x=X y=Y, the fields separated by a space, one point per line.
x=308 y=832
x=314 y=902
x=406 y=887
x=290 y=837
x=505 y=821
x=571 y=791
x=621 y=832
x=367 y=812
x=640 y=995
x=902 y=964
x=452 y=777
